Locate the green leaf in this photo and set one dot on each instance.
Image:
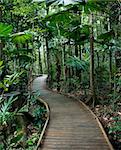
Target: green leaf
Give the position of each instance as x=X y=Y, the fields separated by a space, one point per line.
x=24 y=109
x=21 y=37
x=17 y=138
x=5 y=30
x=64 y=2
x=1 y=62
x=75 y=62
x=106 y=36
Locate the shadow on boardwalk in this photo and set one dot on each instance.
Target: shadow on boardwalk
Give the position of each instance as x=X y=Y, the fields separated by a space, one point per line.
x=72 y=126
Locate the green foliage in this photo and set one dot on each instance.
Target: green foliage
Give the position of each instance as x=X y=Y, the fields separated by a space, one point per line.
x=39 y=114
x=92 y=6
x=119 y=82
x=5 y=30
x=75 y=62
x=21 y=37
x=33 y=139
x=64 y=2
x=25 y=108
x=115 y=127
x=1 y=67
x=10 y=80
x=102 y=74
x=1 y=146
x=32 y=97
x=106 y=37
x=25 y=59
x=5 y=114
x=17 y=137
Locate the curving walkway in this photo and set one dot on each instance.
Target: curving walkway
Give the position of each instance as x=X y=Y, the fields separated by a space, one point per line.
x=71 y=126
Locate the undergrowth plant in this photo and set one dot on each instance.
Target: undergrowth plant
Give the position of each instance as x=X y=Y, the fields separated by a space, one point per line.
x=6 y=118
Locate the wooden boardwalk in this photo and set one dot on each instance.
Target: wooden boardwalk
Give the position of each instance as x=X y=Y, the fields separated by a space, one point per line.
x=71 y=126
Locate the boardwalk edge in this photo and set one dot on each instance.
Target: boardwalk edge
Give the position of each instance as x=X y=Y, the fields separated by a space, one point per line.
x=46 y=123
x=98 y=121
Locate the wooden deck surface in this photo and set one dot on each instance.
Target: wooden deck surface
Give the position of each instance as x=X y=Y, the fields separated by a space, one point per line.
x=71 y=126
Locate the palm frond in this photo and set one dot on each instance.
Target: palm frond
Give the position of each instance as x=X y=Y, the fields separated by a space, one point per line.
x=22 y=37
x=75 y=62
x=64 y=2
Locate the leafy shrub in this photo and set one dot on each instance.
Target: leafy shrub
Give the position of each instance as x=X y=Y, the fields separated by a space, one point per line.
x=115 y=127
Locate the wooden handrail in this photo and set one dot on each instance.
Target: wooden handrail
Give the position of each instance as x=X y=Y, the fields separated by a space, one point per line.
x=45 y=125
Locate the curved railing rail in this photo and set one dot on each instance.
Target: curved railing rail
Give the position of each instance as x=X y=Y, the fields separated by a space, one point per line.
x=45 y=125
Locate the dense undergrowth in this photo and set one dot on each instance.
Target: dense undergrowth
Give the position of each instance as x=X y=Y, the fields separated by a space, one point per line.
x=20 y=128
x=22 y=115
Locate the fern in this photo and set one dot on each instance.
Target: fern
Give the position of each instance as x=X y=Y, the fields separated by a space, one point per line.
x=5 y=114
x=75 y=62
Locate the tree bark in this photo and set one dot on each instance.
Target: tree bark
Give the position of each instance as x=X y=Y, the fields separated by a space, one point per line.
x=92 y=66
x=1 y=45
x=48 y=61
x=110 y=67
x=40 y=62
x=49 y=80
x=45 y=57
x=58 y=76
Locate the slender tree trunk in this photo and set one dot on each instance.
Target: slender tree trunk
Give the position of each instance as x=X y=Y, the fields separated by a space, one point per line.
x=45 y=57
x=1 y=45
x=76 y=54
x=48 y=56
x=76 y=50
x=118 y=60
x=80 y=56
x=64 y=67
x=69 y=69
x=58 y=76
x=0 y=13
x=110 y=57
x=110 y=67
x=98 y=59
x=48 y=61
x=40 y=62
x=92 y=66
x=63 y=63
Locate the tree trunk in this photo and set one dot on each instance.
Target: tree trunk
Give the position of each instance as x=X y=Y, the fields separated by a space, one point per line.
x=0 y=13
x=80 y=56
x=76 y=50
x=76 y=54
x=92 y=66
x=63 y=63
x=58 y=76
x=110 y=57
x=45 y=57
x=40 y=62
x=49 y=80
x=1 y=45
x=70 y=71
x=98 y=59
x=110 y=67
x=48 y=62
